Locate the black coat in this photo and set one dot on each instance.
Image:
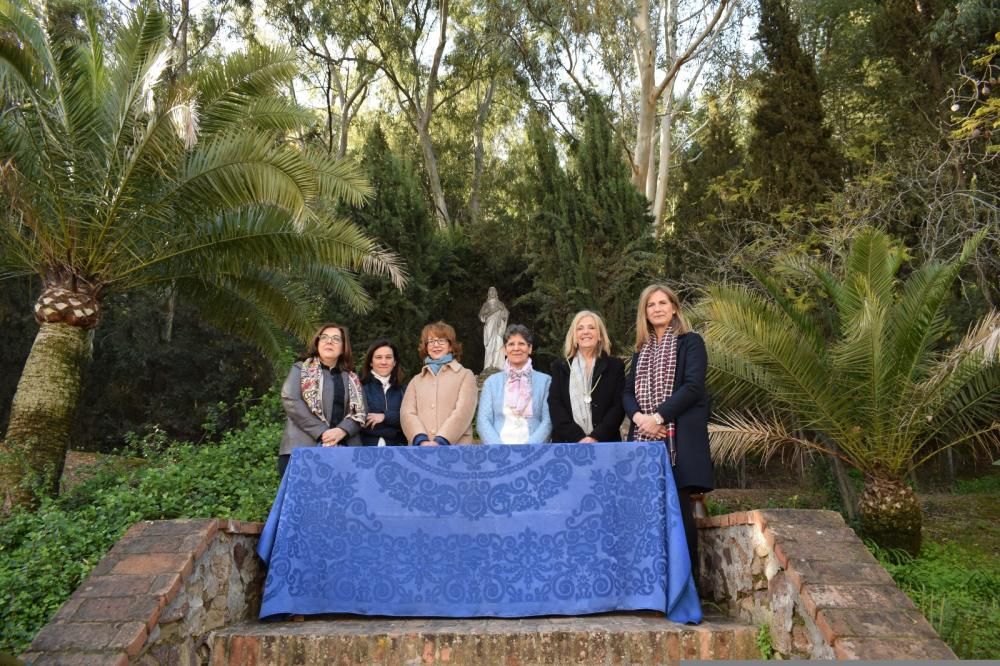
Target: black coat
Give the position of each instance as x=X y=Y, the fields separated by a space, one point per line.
x=688 y=408
x=388 y=403
x=607 y=382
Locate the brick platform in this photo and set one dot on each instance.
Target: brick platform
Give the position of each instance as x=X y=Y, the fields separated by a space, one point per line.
x=608 y=638
x=814 y=583
x=162 y=581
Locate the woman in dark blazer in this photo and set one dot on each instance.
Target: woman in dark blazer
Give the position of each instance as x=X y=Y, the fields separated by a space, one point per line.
x=585 y=396
x=382 y=379
x=665 y=394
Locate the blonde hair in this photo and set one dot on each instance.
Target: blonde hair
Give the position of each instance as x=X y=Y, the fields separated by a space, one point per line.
x=570 y=347
x=642 y=328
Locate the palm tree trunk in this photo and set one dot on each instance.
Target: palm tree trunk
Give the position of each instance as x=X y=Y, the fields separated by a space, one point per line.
x=890 y=514
x=34 y=449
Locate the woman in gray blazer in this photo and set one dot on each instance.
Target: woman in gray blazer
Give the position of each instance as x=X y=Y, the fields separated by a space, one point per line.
x=323 y=398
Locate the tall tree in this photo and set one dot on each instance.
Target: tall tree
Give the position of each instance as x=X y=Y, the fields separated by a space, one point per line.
x=113 y=178
x=790 y=149
x=592 y=241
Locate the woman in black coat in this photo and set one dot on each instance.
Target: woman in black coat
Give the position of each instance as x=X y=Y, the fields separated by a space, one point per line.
x=585 y=395
x=665 y=394
x=382 y=379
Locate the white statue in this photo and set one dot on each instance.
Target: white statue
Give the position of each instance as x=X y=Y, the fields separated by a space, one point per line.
x=493 y=314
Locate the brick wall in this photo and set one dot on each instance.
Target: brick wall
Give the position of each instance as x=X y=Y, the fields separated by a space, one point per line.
x=814 y=583
x=157 y=595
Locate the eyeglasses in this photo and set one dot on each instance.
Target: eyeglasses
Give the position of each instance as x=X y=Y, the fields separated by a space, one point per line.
x=330 y=338
x=436 y=341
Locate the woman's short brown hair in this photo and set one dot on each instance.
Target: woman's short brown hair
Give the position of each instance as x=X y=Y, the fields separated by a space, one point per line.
x=346 y=360
x=439 y=329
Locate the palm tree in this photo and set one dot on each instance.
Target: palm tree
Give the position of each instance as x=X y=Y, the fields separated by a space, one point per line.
x=850 y=364
x=114 y=176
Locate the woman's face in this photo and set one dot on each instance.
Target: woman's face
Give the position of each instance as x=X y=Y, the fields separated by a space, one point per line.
x=587 y=335
x=659 y=310
x=383 y=361
x=518 y=350
x=330 y=346
x=437 y=347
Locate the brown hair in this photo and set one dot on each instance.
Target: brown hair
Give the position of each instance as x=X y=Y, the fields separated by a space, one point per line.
x=396 y=376
x=570 y=346
x=642 y=327
x=346 y=360
x=439 y=329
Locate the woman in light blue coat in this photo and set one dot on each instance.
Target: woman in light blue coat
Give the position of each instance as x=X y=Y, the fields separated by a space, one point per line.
x=514 y=406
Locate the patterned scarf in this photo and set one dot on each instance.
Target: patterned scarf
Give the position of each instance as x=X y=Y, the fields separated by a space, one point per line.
x=312 y=392
x=654 y=374
x=517 y=391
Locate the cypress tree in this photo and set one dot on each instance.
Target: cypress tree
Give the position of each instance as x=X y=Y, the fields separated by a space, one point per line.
x=790 y=150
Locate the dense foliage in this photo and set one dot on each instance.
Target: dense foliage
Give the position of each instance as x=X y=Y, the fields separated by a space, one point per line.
x=957 y=590
x=56 y=546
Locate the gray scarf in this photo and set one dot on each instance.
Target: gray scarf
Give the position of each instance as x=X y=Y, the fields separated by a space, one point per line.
x=579 y=393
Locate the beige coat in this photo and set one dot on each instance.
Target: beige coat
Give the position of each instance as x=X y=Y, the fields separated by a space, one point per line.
x=441 y=404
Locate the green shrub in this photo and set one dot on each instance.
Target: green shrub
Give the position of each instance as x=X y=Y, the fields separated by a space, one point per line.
x=45 y=554
x=957 y=590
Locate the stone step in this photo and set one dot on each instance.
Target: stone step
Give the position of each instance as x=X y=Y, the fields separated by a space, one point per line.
x=606 y=638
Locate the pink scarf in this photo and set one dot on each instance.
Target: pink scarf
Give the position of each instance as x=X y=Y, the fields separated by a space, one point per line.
x=517 y=391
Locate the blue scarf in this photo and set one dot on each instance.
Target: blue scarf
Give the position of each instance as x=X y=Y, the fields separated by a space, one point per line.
x=436 y=366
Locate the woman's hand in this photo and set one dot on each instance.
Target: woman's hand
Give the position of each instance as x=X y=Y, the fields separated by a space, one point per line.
x=648 y=426
x=334 y=436
x=429 y=442
x=374 y=419
x=587 y=440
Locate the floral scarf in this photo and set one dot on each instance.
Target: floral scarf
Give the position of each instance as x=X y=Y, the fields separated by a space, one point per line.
x=312 y=392
x=654 y=374
x=517 y=390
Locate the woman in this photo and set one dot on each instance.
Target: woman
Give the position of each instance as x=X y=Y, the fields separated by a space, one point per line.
x=382 y=380
x=586 y=396
x=440 y=401
x=323 y=398
x=665 y=394
x=513 y=408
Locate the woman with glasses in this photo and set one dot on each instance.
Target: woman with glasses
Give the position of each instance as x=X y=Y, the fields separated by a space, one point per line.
x=382 y=379
x=513 y=408
x=440 y=401
x=323 y=398
x=585 y=400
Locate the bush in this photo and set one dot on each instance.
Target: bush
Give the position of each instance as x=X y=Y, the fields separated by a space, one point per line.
x=957 y=590
x=56 y=546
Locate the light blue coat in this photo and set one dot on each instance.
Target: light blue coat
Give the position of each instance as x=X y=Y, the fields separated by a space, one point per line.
x=490 y=420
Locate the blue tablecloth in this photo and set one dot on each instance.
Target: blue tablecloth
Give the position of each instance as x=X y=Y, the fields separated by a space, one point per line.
x=463 y=531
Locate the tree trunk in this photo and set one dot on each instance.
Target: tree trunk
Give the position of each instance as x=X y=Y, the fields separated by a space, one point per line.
x=479 y=151
x=41 y=415
x=890 y=514
x=437 y=193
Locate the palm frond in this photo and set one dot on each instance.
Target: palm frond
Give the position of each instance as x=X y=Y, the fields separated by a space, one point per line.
x=748 y=325
x=734 y=435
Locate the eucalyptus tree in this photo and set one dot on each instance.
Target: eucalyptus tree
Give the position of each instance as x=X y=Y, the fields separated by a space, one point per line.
x=850 y=361
x=635 y=53
x=114 y=177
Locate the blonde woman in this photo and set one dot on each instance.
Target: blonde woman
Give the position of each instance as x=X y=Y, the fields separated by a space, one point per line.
x=585 y=398
x=666 y=399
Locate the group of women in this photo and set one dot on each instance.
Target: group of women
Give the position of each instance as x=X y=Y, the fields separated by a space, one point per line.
x=585 y=399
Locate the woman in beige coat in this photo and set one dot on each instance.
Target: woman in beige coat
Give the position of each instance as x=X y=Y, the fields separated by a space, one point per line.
x=441 y=400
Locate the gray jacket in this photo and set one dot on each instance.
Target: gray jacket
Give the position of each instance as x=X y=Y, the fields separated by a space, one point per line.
x=302 y=427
